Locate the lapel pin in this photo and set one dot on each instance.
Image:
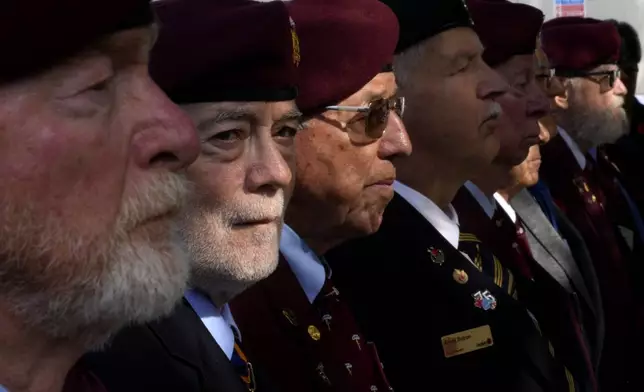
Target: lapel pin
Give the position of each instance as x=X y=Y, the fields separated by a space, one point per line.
x=460 y=276
x=290 y=316
x=484 y=300
x=356 y=338
x=437 y=255
x=327 y=320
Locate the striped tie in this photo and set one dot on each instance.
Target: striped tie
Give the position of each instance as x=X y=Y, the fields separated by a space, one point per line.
x=486 y=262
x=241 y=365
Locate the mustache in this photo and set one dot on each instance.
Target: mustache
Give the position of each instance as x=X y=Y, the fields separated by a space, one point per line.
x=164 y=194
x=255 y=209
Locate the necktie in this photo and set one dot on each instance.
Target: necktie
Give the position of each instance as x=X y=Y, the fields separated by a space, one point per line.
x=241 y=364
x=542 y=195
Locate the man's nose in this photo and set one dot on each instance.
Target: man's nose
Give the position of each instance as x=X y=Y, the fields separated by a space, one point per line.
x=395 y=141
x=269 y=169
x=164 y=136
x=491 y=85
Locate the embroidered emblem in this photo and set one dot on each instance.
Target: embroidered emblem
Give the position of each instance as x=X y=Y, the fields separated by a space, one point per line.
x=296 y=44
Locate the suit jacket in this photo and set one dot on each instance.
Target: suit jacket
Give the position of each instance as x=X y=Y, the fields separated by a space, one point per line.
x=312 y=347
x=176 y=353
x=406 y=286
x=543 y=285
x=565 y=256
x=578 y=193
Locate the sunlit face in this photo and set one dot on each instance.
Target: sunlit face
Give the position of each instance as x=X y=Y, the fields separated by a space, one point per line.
x=243 y=180
x=591 y=115
x=91 y=151
x=449 y=79
x=343 y=187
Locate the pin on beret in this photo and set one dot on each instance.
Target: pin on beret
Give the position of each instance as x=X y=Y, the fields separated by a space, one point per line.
x=579 y=44
x=225 y=50
x=35 y=35
x=345 y=44
x=423 y=19
x=506 y=29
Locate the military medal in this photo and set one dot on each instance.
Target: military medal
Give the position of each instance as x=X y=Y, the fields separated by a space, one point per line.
x=460 y=276
x=437 y=255
x=484 y=300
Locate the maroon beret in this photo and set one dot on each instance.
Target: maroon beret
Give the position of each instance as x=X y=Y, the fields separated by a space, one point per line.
x=36 y=35
x=576 y=43
x=345 y=44
x=506 y=29
x=225 y=50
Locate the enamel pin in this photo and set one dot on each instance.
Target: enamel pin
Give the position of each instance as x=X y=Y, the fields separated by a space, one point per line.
x=484 y=300
x=437 y=255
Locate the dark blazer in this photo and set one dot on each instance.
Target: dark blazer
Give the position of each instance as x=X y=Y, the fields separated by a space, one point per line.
x=565 y=257
x=176 y=353
x=581 y=197
x=543 y=286
x=403 y=285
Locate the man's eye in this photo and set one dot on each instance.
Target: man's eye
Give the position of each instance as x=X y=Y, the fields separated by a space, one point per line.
x=227 y=136
x=287 y=132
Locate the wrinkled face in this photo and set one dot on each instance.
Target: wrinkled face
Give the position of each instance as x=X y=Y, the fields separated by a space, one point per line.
x=342 y=186
x=90 y=154
x=552 y=86
x=526 y=174
x=442 y=79
x=594 y=115
x=522 y=107
x=243 y=181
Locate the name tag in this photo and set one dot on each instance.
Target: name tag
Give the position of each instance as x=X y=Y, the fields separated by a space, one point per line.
x=467 y=341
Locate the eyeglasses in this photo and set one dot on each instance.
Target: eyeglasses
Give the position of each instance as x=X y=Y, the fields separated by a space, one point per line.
x=605 y=79
x=376 y=118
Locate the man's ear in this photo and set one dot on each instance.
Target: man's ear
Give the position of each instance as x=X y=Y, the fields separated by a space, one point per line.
x=561 y=99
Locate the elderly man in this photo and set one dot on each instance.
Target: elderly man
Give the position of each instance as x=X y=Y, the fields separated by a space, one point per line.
x=553 y=290
x=583 y=53
x=91 y=151
x=626 y=157
x=240 y=94
x=427 y=306
x=295 y=321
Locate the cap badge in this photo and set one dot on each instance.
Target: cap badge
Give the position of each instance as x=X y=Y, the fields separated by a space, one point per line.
x=296 y=43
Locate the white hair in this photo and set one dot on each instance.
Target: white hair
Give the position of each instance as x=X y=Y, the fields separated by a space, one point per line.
x=406 y=63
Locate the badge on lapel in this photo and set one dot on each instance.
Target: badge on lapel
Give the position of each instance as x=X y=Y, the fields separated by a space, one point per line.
x=437 y=256
x=484 y=300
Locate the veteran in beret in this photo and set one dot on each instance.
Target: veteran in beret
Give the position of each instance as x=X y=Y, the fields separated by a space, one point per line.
x=584 y=53
x=431 y=309
x=627 y=154
x=511 y=227
x=296 y=322
x=92 y=155
x=240 y=92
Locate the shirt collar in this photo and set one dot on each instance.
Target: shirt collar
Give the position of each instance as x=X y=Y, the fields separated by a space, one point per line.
x=506 y=207
x=574 y=147
x=304 y=263
x=487 y=203
x=446 y=222
x=217 y=321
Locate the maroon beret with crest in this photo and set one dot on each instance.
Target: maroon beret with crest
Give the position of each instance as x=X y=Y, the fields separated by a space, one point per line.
x=34 y=36
x=345 y=44
x=506 y=29
x=225 y=50
x=577 y=44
